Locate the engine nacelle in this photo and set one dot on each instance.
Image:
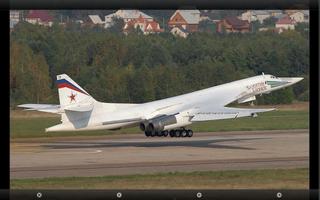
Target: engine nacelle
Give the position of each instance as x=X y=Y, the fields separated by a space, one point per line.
x=166 y=122
x=159 y=123
x=182 y=120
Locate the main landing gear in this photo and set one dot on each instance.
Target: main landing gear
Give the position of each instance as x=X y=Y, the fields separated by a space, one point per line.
x=172 y=133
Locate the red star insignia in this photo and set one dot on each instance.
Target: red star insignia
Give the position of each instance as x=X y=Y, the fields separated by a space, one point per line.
x=72 y=97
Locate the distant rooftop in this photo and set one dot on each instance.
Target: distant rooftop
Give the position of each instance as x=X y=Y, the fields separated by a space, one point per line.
x=96 y=19
x=43 y=15
x=191 y=16
x=280 y=16
x=130 y=14
x=285 y=20
x=260 y=12
x=235 y=22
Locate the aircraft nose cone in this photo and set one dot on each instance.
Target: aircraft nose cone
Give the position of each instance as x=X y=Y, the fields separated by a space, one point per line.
x=296 y=80
x=292 y=81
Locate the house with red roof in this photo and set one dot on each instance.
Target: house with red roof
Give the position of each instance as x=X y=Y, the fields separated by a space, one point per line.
x=285 y=23
x=147 y=26
x=186 y=20
x=40 y=17
x=233 y=25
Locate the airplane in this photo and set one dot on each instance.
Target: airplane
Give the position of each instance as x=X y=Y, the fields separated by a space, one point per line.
x=81 y=112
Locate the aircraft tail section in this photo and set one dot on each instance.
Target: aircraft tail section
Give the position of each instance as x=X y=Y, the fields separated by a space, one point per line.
x=70 y=93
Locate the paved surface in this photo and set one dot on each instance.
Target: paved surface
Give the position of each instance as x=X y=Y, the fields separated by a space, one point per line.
x=132 y=154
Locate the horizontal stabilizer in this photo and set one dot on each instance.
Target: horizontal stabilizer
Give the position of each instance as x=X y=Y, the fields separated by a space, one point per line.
x=50 y=108
x=226 y=113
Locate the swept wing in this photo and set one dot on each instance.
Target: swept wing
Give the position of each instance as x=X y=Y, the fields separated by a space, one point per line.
x=226 y=113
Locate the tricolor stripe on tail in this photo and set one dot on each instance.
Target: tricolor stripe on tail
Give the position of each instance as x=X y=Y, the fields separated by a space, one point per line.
x=64 y=83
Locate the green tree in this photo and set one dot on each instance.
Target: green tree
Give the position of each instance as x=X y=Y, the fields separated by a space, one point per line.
x=117 y=25
x=29 y=76
x=137 y=68
x=270 y=22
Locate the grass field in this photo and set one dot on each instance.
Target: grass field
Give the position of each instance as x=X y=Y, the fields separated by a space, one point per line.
x=244 y=179
x=24 y=127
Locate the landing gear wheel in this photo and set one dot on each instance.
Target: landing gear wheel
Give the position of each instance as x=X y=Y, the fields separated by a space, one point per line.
x=153 y=133
x=147 y=133
x=190 y=133
x=159 y=133
x=172 y=133
x=184 y=133
x=177 y=133
x=165 y=133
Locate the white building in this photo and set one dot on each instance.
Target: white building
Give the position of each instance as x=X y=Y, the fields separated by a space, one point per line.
x=248 y=15
x=300 y=16
x=14 y=18
x=261 y=15
x=15 y=15
x=126 y=15
x=254 y=15
x=176 y=31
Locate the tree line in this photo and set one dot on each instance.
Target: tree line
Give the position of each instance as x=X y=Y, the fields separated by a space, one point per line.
x=136 y=68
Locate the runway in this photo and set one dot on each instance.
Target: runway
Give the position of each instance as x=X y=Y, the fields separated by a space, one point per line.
x=137 y=154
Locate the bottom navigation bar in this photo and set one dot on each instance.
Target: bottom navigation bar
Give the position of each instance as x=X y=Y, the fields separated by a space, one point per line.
x=160 y=194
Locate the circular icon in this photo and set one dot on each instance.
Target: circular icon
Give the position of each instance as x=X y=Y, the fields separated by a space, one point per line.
x=119 y=195
x=39 y=195
x=279 y=195
x=199 y=195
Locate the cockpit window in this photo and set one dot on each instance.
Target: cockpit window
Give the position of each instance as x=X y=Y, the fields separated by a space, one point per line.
x=273 y=77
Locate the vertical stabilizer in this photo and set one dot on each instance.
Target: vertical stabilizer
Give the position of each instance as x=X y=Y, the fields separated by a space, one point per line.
x=70 y=93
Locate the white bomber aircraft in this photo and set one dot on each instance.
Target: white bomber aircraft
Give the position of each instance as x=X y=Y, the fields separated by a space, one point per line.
x=80 y=111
